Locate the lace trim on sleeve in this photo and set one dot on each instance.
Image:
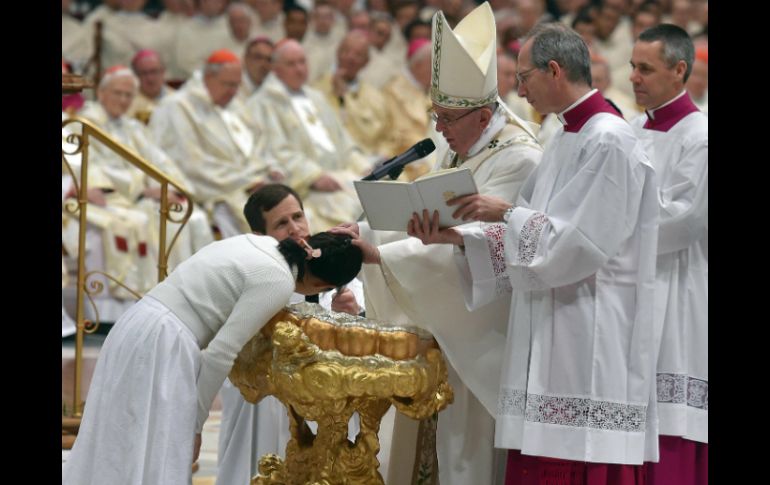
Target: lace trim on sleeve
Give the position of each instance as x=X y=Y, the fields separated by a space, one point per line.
x=530 y=235
x=495 y=236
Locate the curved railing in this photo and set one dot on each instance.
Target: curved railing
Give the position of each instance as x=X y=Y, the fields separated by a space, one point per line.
x=79 y=145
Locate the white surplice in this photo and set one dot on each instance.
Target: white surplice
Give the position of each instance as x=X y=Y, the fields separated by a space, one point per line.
x=579 y=252
x=680 y=157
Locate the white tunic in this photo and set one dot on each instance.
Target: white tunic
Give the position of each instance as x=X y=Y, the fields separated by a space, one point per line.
x=579 y=251
x=680 y=156
x=165 y=360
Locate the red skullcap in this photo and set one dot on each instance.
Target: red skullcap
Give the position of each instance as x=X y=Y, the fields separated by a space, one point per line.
x=415 y=45
x=223 y=56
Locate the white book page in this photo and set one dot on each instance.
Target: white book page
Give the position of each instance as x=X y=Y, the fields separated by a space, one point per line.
x=436 y=191
x=388 y=205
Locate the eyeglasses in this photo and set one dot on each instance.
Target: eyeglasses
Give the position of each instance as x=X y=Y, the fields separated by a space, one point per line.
x=447 y=122
x=521 y=76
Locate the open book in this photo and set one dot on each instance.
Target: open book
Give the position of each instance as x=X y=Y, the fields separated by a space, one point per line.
x=389 y=204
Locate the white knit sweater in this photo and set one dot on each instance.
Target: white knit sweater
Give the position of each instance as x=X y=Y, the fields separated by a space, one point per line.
x=225 y=293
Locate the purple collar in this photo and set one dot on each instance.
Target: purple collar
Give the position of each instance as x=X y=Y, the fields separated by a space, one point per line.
x=663 y=119
x=576 y=117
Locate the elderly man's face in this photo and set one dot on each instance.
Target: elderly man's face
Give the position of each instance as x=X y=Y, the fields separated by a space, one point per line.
x=117 y=96
x=291 y=67
x=150 y=72
x=257 y=61
x=323 y=19
x=379 y=35
x=352 y=55
x=460 y=127
x=223 y=85
x=240 y=24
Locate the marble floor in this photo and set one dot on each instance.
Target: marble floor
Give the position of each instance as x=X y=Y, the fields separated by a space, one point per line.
x=207 y=472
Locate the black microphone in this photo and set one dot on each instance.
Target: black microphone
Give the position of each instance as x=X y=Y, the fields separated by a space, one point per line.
x=395 y=165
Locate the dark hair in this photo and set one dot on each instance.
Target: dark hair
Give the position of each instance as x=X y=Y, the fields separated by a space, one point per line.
x=340 y=260
x=677 y=45
x=263 y=200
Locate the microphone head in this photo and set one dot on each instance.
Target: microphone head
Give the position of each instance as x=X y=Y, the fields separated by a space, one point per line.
x=425 y=147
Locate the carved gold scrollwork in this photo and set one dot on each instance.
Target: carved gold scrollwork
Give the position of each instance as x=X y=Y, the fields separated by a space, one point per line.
x=327 y=387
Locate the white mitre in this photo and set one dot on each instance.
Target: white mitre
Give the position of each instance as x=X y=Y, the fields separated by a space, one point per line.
x=464 y=71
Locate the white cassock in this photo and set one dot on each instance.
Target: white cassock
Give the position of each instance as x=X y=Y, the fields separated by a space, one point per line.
x=219 y=156
x=577 y=377
x=250 y=431
x=419 y=285
x=307 y=140
x=679 y=152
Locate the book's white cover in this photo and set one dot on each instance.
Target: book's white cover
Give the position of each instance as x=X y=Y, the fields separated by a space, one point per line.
x=389 y=204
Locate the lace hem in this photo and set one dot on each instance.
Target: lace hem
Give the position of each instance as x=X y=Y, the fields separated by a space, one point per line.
x=681 y=388
x=569 y=411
